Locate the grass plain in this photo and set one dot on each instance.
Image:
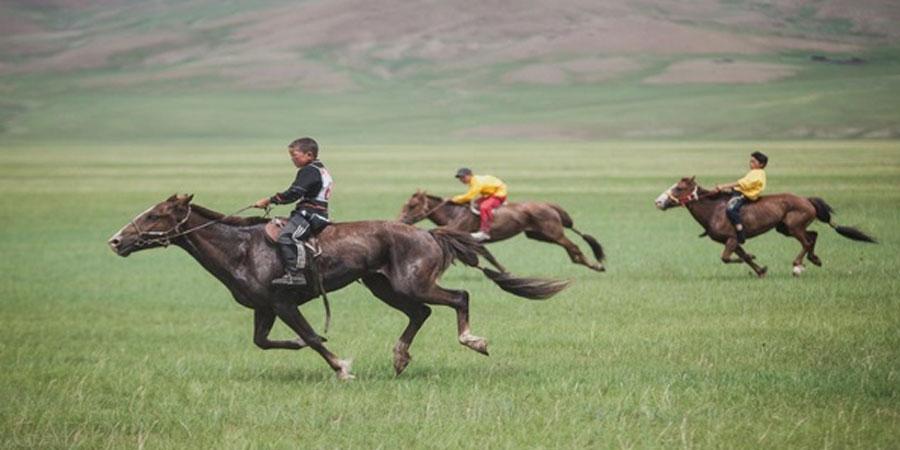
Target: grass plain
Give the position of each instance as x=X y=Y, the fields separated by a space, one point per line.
x=669 y=348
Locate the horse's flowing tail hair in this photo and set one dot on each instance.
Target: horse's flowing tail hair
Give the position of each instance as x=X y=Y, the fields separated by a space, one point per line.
x=567 y=222
x=823 y=213
x=460 y=246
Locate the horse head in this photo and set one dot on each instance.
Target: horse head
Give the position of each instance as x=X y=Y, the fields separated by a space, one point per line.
x=415 y=209
x=680 y=193
x=153 y=227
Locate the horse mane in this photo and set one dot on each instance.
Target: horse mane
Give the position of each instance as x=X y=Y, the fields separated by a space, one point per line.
x=432 y=197
x=236 y=221
x=708 y=195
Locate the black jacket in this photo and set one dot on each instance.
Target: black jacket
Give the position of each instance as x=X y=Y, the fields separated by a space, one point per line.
x=311 y=188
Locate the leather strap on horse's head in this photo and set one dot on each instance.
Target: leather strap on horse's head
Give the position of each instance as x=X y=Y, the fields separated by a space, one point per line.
x=685 y=199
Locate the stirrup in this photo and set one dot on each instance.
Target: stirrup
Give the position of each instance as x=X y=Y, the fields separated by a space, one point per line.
x=290 y=280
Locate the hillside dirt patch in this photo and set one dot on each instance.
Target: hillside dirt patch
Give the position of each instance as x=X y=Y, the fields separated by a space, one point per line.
x=718 y=72
x=585 y=70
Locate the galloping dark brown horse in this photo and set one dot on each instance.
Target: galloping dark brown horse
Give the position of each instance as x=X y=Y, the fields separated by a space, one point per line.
x=399 y=263
x=788 y=214
x=543 y=222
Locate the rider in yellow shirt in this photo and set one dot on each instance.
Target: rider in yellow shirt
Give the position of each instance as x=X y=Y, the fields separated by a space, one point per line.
x=746 y=189
x=492 y=192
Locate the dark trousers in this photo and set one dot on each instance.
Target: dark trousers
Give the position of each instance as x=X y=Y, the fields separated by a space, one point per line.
x=733 y=209
x=302 y=224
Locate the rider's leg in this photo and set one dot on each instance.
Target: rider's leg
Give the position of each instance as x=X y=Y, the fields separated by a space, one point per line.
x=290 y=248
x=733 y=212
x=486 y=207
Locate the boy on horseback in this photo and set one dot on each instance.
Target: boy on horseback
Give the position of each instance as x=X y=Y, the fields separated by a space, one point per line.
x=311 y=190
x=747 y=189
x=492 y=192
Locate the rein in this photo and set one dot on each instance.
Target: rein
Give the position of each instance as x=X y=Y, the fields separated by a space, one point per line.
x=164 y=238
x=431 y=211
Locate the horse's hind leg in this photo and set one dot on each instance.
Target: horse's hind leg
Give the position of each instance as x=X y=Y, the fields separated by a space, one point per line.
x=263 y=319
x=290 y=315
x=557 y=237
x=458 y=300
x=417 y=313
x=800 y=235
x=812 y=236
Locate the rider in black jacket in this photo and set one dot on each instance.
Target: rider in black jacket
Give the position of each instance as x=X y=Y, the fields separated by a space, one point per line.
x=311 y=190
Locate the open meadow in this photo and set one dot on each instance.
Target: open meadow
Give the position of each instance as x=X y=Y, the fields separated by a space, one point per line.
x=668 y=348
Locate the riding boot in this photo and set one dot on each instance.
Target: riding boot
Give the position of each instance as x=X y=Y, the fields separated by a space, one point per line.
x=293 y=257
x=480 y=236
x=741 y=236
x=291 y=278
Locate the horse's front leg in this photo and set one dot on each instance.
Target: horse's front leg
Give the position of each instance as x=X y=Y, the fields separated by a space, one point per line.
x=291 y=316
x=748 y=258
x=263 y=320
x=730 y=246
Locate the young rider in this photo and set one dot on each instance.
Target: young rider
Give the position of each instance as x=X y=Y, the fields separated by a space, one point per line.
x=492 y=192
x=311 y=190
x=746 y=189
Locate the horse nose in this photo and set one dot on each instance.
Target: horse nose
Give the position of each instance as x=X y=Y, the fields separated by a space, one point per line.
x=114 y=242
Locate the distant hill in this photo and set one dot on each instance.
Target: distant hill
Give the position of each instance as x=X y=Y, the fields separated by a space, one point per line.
x=395 y=70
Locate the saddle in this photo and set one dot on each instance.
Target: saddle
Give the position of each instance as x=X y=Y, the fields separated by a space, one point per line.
x=273 y=229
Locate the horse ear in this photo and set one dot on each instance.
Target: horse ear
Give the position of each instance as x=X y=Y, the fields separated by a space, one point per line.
x=693 y=178
x=173 y=197
x=183 y=199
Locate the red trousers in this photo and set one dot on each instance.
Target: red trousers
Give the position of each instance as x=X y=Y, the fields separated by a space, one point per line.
x=487 y=205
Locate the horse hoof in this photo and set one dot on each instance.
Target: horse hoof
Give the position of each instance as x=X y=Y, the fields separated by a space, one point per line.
x=401 y=360
x=762 y=272
x=475 y=343
x=343 y=373
x=815 y=260
x=798 y=269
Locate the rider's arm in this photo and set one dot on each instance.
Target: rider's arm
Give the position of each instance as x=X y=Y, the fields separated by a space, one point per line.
x=306 y=179
x=725 y=187
x=473 y=191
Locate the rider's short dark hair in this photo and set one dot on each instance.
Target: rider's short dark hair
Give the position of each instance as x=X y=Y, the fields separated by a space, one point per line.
x=306 y=145
x=759 y=156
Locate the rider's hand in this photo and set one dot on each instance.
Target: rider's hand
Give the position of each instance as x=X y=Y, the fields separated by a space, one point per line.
x=263 y=203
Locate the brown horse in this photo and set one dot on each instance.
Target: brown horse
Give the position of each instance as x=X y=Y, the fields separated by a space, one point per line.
x=788 y=214
x=543 y=222
x=399 y=263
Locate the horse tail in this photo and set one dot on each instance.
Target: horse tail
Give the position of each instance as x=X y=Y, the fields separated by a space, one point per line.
x=460 y=246
x=567 y=222
x=823 y=213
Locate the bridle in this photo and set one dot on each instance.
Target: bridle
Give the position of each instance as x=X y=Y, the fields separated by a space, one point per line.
x=428 y=212
x=691 y=197
x=164 y=238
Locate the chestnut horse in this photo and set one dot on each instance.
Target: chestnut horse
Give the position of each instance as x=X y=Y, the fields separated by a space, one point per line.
x=788 y=214
x=399 y=263
x=540 y=221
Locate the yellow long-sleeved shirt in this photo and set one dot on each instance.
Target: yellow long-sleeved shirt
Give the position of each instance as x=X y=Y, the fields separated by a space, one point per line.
x=484 y=185
x=752 y=184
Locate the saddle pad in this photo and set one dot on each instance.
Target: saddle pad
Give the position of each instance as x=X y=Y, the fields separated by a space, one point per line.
x=273 y=228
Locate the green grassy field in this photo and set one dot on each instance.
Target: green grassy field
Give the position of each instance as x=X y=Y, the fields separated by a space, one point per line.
x=669 y=348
